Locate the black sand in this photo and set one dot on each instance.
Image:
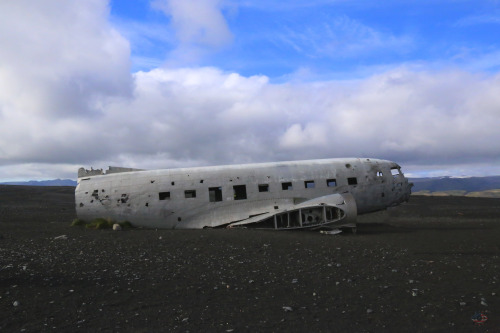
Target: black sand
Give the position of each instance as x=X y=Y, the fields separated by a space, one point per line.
x=443 y=250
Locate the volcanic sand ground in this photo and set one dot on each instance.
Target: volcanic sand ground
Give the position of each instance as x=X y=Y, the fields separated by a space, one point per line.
x=443 y=250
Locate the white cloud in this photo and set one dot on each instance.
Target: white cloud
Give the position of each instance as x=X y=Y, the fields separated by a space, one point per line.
x=198 y=21
x=190 y=30
x=66 y=104
x=343 y=37
x=60 y=58
x=204 y=116
x=312 y=135
x=60 y=62
x=200 y=27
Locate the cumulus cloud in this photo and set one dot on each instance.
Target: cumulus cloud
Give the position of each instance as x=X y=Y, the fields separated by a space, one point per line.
x=59 y=63
x=205 y=116
x=200 y=27
x=211 y=117
x=60 y=58
x=69 y=101
x=197 y=21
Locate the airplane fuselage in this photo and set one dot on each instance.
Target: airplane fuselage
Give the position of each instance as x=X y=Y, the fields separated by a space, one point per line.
x=288 y=194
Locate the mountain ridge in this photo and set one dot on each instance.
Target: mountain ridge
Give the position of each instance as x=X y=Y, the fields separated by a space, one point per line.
x=468 y=184
x=51 y=182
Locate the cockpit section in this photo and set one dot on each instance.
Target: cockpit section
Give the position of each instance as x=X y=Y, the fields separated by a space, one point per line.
x=401 y=186
x=396 y=171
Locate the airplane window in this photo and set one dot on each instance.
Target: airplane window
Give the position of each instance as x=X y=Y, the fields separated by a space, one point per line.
x=263 y=187
x=309 y=184
x=240 y=192
x=164 y=195
x=380 y=174
x=190 y=194
x=395 y=171
x=331 y=182
x=352 y=181
x=215 y=194
x=286 y=186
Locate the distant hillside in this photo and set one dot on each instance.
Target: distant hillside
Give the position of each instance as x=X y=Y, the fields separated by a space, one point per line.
x=53 y=182
x=487 y=187
x=469 y=184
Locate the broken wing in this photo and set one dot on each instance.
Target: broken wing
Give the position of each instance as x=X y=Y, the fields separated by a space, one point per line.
x=333 y=210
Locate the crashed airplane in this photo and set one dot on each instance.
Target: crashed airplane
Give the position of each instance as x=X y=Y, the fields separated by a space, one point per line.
x=281 y=196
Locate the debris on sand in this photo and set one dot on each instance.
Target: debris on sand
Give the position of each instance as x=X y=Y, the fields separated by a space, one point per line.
x=61 y=237
x=331 y=232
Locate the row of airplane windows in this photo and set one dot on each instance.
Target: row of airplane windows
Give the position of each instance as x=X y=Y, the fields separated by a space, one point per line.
x=240 y=191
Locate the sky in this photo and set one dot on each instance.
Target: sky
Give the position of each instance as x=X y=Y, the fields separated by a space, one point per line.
x=179 y=83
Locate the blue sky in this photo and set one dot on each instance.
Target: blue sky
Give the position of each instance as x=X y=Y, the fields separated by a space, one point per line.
x=341 y=39
x=177 y=83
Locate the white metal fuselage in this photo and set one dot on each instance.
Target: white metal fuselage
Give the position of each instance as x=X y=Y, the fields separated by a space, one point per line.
x=281 y=195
